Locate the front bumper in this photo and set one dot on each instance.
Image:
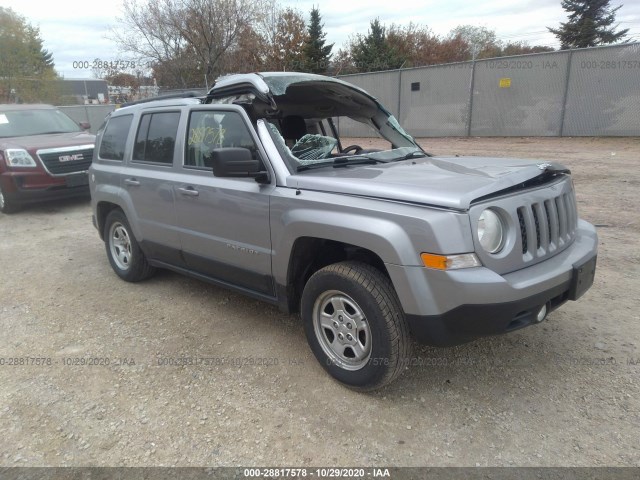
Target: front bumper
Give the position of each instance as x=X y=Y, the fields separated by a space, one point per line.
x=453 y=307
x=26 y=188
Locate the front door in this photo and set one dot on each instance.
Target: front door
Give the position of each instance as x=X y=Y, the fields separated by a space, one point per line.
x=223 y=222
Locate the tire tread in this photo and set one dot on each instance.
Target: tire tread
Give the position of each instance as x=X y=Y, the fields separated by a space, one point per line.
x=381 y=290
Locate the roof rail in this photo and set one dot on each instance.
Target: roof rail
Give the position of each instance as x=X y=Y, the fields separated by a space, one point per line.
x=192 y=94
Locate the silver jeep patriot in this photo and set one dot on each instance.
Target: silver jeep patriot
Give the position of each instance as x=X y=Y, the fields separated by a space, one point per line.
x=252 y=189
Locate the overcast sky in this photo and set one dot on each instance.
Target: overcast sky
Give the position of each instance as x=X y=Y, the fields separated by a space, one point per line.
x=76 y=30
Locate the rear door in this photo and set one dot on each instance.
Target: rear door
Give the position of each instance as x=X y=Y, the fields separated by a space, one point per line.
x=149 y=182
x=224 y=222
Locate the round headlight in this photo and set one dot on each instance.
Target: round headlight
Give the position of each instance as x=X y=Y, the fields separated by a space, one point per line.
x=490 y=231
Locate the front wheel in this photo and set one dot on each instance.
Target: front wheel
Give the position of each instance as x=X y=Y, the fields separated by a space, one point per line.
x=6 y=205
x=124 y=253
x=355 y=325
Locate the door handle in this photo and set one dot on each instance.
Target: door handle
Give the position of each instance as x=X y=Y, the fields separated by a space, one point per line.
x=132 y=181
x=189 y=191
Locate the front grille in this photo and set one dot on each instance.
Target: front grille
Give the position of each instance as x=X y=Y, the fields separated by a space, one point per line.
x=547 y=226
x=540 y=223
x=61 y=161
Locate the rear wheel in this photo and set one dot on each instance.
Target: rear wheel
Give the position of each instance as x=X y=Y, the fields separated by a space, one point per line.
x=355 y=325
x=124 y=253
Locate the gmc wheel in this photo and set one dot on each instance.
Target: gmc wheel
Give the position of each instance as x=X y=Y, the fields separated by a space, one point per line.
x=6 y=206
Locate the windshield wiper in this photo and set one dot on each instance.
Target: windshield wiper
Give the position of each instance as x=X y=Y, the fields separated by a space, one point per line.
x=342 y=162
x=414 y=154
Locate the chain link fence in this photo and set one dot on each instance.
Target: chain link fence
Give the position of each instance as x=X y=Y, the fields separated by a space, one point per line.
x=585 y=92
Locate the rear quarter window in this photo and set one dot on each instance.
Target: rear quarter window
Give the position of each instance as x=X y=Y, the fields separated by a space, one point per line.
x=114 y=138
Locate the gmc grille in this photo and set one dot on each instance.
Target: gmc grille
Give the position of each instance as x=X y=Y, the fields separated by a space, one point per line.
x=65 y=161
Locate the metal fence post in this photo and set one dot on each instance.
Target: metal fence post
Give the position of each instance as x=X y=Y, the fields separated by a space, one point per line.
x=566 y=94
x=399 y=92
x=471 y=87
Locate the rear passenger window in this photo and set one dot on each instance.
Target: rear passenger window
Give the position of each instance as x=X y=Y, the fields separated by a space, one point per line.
x=156 y=137
x=114 y=138
x=210 y=129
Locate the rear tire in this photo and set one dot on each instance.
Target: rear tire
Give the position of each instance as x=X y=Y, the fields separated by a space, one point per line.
x=124 y=253
x=355 y=325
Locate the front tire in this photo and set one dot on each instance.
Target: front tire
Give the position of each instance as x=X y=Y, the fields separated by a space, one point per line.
x=124 y=253
x=6 y=205
x=355 y=325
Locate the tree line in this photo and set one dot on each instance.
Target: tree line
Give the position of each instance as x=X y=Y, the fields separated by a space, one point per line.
x=189 y=43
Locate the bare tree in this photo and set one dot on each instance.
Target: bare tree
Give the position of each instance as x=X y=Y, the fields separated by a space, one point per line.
x=145 y=31
x=184 y=39
x=211 y=28
x=283 y=35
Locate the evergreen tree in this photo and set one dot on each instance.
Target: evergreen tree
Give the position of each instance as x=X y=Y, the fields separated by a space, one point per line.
x=590 y=24
x=26 y=68
x=316 y=53
x=373 y=52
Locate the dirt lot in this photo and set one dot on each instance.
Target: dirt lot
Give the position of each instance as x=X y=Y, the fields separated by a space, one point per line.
x=566 y=392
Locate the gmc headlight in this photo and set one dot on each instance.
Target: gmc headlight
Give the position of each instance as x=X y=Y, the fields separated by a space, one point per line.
x=17 y=157
x=491 y=231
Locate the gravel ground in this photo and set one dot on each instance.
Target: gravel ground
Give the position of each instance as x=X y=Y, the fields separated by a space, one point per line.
x=564 y=393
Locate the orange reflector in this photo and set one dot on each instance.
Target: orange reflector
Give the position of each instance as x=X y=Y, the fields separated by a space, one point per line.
x=434 y=261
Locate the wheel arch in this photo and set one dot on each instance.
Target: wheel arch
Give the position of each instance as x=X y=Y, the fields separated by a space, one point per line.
x=104 y=207
x=102 y=211
x=310 y=254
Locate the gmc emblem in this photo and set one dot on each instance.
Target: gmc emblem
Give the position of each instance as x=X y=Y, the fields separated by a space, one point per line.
x=71 y=158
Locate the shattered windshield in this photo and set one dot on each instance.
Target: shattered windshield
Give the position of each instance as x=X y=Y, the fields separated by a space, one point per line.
x=317 y=148
x=314 y=147
x=309 y=155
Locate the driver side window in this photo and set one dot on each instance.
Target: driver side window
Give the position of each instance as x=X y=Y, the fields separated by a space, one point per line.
x=209 y=130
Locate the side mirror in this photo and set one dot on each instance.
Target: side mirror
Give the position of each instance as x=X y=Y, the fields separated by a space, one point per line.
x=234 y=162
x=84 y=125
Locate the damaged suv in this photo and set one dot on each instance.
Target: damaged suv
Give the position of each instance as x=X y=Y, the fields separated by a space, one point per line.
x=251 y=188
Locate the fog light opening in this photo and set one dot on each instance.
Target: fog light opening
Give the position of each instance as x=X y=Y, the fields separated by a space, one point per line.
x=542 y=314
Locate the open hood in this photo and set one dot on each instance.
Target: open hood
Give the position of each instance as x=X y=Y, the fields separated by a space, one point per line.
x=303 y=94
